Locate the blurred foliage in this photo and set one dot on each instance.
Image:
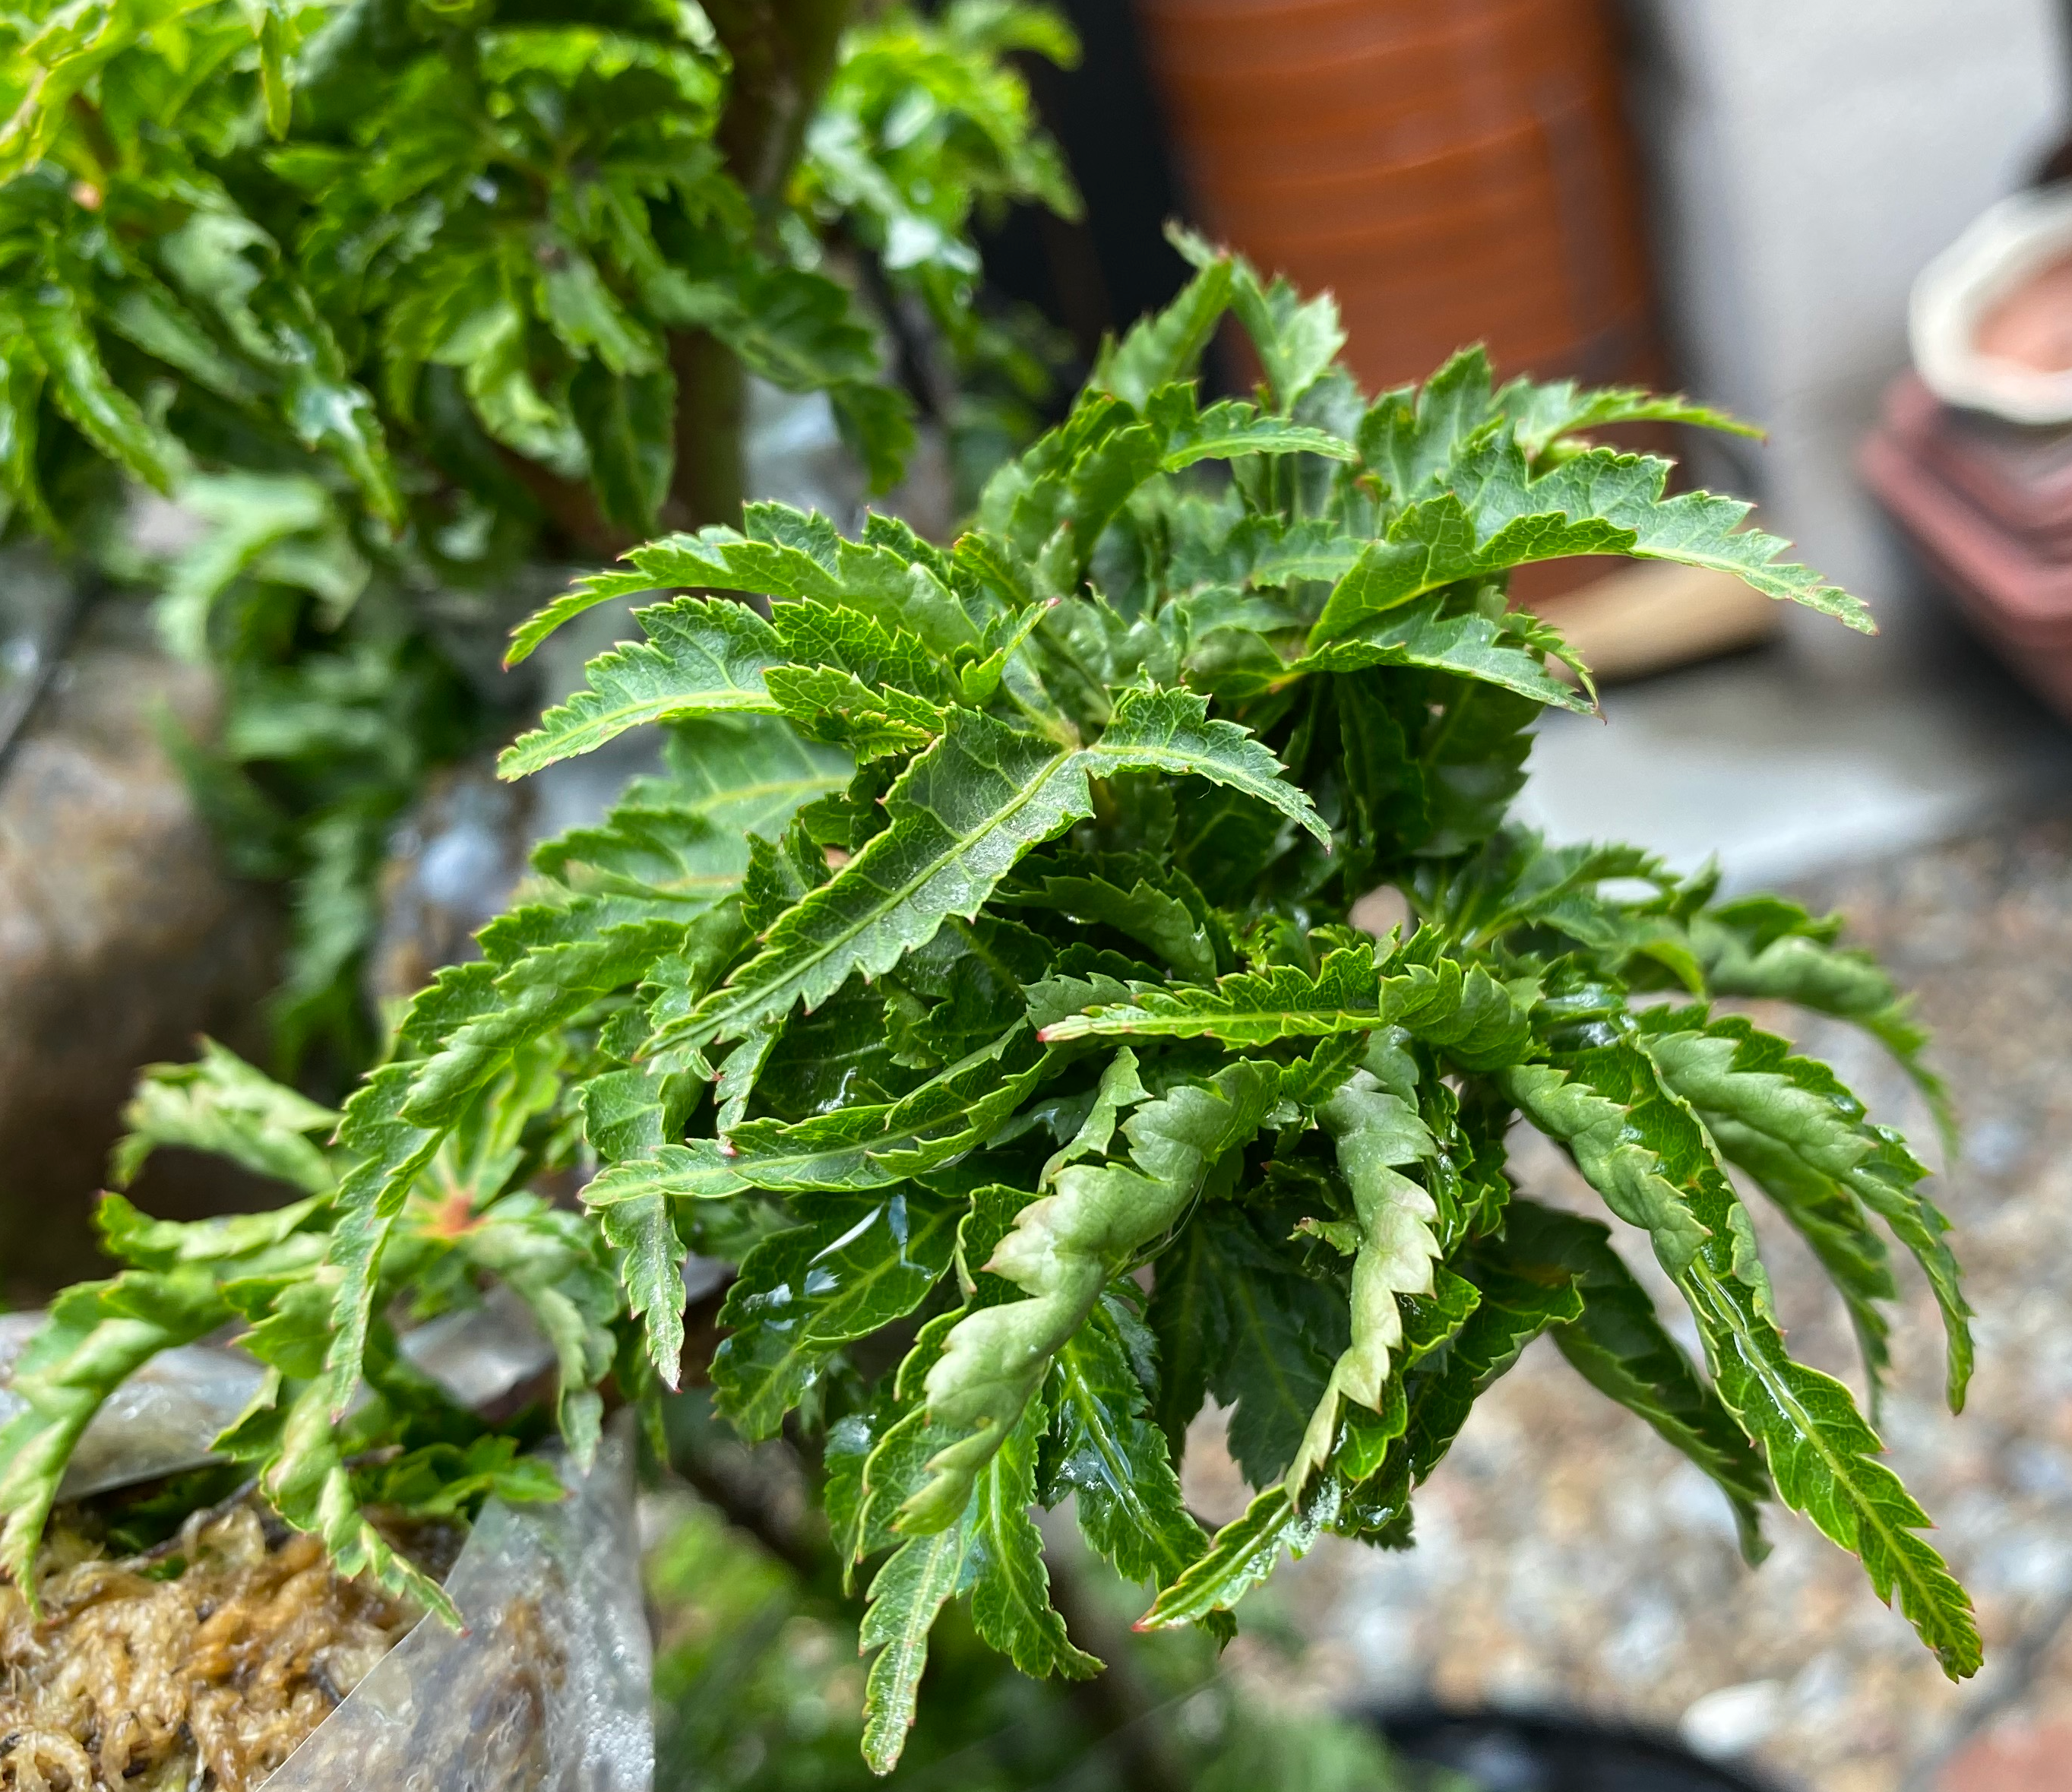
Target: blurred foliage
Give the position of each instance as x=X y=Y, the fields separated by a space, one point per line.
x=379 y=303
x=759 y=1688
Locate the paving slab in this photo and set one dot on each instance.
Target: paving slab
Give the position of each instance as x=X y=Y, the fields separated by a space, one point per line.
x=1781 y=767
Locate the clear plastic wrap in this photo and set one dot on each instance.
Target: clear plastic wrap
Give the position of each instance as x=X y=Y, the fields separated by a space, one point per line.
x=547 y=1688
x=162 y=1420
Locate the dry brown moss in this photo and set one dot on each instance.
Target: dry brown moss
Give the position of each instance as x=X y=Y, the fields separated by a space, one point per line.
x=132 y=1682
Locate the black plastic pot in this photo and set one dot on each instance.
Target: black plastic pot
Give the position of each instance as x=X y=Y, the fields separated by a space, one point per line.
x=1500 y=1752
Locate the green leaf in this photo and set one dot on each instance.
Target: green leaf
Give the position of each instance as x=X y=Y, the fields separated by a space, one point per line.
x=1242 y=1555
x=625 y=420
x=1297 y=339
x=1170 y=731
x=1821 y=1456
x=1233 y=428
x=642 y=1228
x=1113 y=1459
x=1804 y=1137
x=286 y=1238
x=269 y=25
x=1119 y=1090
x=552 y=1260
x=79 y=382
x=837 y=637
x=453 y=1481
x=1412 y=439
x=742 y=774
x=1282 y=1327
x=1620 y=1347
x=1010 y=1589
x=870 y=1146
x=305 y=1479
x=1189 y=1315
x=1769 y=948
x=872 y=722
x=803 y=1293
x=222 y=1104
x=1167 y=346
x=1543 y=414
x=961 y=814
x=95 y=1337
x=876 y=424
x=388 y=1152
x=1147 y=913
x=1470 y=645
x=1496 y=516
x=1598 y=1131
x=1063 y=1250
x=1376 y=1133
x=779 y=876
x=703 y=655
x=789 y=553
x=675 y=560
x=921 y=1577
x=1348 y=993
x=737 y=1077
x=855 y=1149
x=547 y=984
x=663 y=855
x=1484 y=1327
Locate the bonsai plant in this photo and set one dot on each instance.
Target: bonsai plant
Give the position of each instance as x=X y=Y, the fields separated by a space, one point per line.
x=978 y=981
x=396 y=300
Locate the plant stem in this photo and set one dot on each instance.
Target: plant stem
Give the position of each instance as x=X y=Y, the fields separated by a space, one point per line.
x=570 y=505
x=782 y=53
x=709 y=483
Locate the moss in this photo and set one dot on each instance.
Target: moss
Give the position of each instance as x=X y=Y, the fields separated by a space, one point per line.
x=202 y=1663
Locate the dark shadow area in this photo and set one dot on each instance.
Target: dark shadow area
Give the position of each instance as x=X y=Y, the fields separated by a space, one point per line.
x=1504 y=1752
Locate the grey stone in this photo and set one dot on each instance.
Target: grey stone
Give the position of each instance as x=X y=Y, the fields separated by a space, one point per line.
x=120 y=939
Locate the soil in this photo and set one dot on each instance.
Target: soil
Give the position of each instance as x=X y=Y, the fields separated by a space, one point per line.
x=197 y=1667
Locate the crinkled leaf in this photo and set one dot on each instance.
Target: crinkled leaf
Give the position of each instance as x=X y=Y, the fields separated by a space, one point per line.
x=1821 y=1456
x=221 y=1104
x=702 y=656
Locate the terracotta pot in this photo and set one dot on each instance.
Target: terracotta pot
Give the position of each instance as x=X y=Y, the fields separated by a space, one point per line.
x=1989 y=507
x=1454 y=170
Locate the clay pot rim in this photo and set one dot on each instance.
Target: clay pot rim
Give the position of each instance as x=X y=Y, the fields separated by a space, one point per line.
x=2005 y=245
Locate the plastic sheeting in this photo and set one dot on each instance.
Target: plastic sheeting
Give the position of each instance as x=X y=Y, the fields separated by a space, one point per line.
x=546 y=1688
x=162 y=1420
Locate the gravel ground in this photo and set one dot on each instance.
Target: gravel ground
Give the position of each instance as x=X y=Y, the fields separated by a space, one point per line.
x=1567 y=1557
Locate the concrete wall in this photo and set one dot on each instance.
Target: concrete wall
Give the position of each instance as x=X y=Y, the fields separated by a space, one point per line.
x=1809 y=156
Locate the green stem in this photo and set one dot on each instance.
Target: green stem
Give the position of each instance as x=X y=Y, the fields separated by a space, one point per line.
x=783 y=55
x=712 y=393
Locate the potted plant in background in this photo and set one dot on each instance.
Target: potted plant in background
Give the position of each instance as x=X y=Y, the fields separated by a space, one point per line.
x=977 y=983
x=396 y=302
